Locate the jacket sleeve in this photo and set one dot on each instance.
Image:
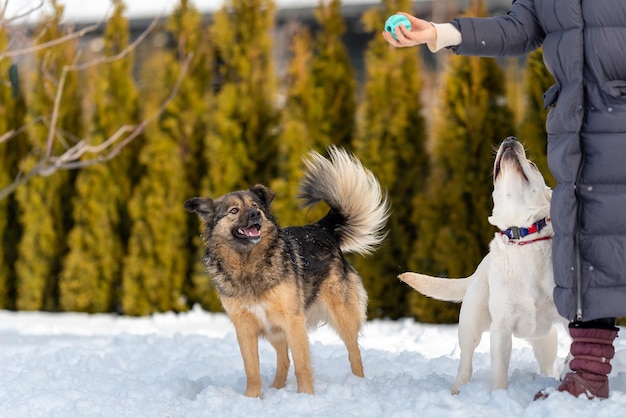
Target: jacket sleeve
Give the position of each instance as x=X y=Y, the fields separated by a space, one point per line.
x=516 y=33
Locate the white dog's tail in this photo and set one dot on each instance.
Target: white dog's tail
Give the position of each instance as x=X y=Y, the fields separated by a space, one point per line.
x=451 y=290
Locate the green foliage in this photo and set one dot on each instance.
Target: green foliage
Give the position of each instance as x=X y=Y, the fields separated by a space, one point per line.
x=11 y=150
x=92 y=271
x=188 y=119
x=5 y=101
x=91 y=268
x=391 y=142
x=242 y=140
x=241 y=143
x=193 y=102
x=159 y=276
x=43 y=201
x=533 y=129
x=334 y=80
x=319 y=110
x=156 y=262
x=453 y=229
x=300 y=121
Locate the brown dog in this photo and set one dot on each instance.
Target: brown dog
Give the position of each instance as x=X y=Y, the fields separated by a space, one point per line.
x=275 y=282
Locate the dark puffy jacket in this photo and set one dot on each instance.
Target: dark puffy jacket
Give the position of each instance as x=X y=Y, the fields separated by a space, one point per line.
x=584 y=47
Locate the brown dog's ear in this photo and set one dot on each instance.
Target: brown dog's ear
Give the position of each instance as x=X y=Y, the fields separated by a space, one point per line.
x=203 y=207
x=265 y=194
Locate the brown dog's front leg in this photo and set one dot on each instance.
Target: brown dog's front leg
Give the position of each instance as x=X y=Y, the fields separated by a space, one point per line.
x=248 y=338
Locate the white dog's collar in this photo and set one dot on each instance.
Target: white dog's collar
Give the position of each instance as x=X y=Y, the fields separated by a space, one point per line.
x=514 y=234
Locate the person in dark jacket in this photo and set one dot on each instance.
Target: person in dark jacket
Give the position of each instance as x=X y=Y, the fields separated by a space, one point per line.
x=584 y=47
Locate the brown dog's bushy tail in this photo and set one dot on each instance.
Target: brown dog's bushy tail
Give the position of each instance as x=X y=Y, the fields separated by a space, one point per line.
x=359 y=208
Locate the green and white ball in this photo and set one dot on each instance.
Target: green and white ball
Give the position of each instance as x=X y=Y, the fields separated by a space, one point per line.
x=395 y=20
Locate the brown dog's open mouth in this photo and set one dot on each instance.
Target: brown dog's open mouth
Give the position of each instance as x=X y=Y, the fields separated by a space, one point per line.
x=250 y=233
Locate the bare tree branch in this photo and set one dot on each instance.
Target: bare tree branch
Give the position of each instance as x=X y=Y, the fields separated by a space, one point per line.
x=20 y=15
x=80 y=67
x=71 y=159
x=132 y=46
x=7 y=135
x=66 y=38
x=74 y=157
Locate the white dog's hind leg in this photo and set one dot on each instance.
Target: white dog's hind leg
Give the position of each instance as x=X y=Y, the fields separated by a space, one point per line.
x=545 y=351
x=469 y=338
x=474 y=319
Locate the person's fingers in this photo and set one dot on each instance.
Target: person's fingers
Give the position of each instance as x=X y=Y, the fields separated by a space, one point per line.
x=414 y=20
x=407 y=37
x=390 y=39
x=403 y=33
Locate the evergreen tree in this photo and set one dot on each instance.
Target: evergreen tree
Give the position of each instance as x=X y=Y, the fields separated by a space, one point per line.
x=319 y=109
x=44 y=201
x=242 y=145
x=155 y=266
x=92 y=271
x=189 y=119
x=533 y=129
x=12 y=112
x=391 y=142
x=193 y=102
x=334 y=78
x=159 y=252
x=301 y=118
x=5 y=176
x=453 y=231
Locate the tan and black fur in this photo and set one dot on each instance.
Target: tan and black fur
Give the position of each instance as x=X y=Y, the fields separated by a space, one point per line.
x=277 y=282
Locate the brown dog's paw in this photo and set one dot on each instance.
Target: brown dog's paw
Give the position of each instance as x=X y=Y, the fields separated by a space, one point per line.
x=253 y=393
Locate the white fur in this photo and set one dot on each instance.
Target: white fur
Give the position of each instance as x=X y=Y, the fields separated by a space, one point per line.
x=510 y=293
x=260 y=311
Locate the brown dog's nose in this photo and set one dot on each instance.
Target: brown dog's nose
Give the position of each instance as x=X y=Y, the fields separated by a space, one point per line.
x=255 y=215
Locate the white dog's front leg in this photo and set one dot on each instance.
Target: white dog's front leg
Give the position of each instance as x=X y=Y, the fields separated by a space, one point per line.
x=501 y=346
x=545 y=350
x=473 y=321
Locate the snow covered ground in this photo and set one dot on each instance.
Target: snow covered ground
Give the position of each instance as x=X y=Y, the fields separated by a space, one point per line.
x=188 y=365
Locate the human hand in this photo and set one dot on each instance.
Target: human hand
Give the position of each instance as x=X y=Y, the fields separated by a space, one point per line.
x=421 y=32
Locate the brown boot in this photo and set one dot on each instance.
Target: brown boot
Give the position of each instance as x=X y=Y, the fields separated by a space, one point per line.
x=591 y=349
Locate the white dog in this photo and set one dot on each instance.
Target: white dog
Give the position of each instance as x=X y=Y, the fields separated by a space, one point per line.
x=510 y=293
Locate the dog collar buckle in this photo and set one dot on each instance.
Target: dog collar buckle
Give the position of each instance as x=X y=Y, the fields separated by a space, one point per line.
x=515 y=232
